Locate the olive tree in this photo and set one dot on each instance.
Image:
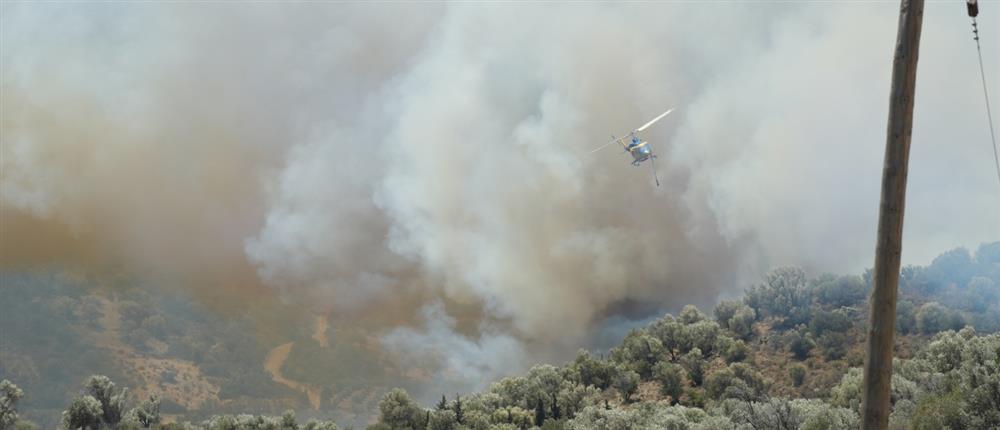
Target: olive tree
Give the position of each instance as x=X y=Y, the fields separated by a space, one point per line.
x=672 y=335
x=702 y=335
x=695 y=366
x=690 y=315
x=442 y=419
x=738 y=381
x=934 y=317
x=84 y=413
x=639 y=351
x=320 y=425
x=783 y=294
x=591 y=371
x=626 y=382
x=111 y=398
x=671 y=379
x=9 y=396
x=735 y=317
x=399 y=411
x=147 y=414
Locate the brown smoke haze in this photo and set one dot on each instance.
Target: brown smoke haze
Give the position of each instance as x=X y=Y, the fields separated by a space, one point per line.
x=393 y=163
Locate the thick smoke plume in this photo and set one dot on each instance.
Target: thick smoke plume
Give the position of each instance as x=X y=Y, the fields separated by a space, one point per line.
x=429 y=158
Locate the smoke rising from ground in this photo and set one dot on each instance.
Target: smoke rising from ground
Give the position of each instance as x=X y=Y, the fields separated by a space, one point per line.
x=367 y=157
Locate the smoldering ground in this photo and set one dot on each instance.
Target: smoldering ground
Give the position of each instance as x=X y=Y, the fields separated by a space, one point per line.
x=435 y=158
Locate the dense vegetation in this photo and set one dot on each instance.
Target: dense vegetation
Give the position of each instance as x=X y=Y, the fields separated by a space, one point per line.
x=786 y=356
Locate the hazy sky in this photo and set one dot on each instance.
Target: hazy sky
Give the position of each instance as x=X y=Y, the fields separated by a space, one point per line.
x=437 y=156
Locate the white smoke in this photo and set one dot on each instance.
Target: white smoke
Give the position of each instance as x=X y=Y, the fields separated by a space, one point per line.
x=372 y=156
x=456 y=361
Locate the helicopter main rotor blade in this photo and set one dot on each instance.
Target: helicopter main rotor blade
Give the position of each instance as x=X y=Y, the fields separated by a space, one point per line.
x=613 y=140
x=602 y=147
x=654 y=120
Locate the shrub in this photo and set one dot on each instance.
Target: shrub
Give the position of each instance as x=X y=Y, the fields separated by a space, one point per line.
x=798 y=374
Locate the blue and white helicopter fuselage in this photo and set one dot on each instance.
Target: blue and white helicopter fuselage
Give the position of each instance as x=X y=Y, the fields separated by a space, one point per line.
x=639 y=149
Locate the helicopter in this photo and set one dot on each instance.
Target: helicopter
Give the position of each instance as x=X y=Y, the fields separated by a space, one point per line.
x=638 y=148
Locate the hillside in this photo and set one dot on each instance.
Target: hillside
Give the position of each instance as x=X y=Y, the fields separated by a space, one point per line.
x=784 y=356
x=199 y=361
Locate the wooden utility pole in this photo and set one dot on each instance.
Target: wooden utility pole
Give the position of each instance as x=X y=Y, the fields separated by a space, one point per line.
x=888 y=246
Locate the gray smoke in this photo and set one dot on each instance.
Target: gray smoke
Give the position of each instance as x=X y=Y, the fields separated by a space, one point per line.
x=369 y=157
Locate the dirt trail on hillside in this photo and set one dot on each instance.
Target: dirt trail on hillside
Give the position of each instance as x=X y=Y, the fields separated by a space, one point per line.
x=273 y=363
x=319 y=330
x=178 y=380
x=111 y=325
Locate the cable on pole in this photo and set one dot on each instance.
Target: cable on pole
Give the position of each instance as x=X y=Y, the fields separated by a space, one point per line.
x=973 y=9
